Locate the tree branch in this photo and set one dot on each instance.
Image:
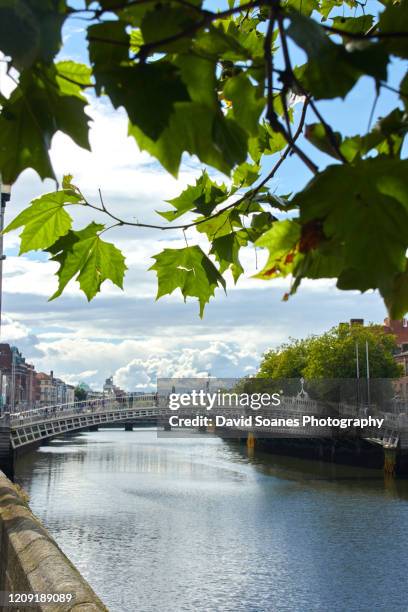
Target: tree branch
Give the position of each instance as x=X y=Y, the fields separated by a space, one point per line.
x=249 y=195
x=327 y=128
x=270 y=113
x=364 y=35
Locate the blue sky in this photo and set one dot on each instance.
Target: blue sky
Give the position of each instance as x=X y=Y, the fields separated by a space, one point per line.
x=129 y=334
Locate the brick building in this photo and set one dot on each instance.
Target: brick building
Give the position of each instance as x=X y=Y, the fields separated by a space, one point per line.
x=22 y=388
x=399 y=329
x=51 y=390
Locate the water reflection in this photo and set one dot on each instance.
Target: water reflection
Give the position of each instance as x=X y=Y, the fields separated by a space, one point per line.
x=194 y=524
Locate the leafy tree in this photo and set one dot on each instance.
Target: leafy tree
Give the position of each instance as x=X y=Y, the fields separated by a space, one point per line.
x=329 y=363
x=288 y=361
x=333 y=354
x=222 y=86
x=80 y=393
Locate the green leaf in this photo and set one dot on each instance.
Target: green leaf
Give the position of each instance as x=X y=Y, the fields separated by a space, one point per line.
x=267 y=142
x=230 y=140
x=148 y=93
x=30 y=117
x=354 y=25
x=316 y=134
x=166 y=21
x=22 y=144
x=44 y=221
x=281 y=241
x=395 y=294
x=244 y=32
x=190 y=129
x=327 y=6
x=386 y=137
x=325 y=58
x=201 y=198
x=247 y=102
x=136 y=40
x=199 y=76
x=135 y=13
x=73 y=77
x=306 y=7
x=219 y=225
x=222 y=42
x=30 y=31
x=92 y=260
x=108 y=47
x=19 y=32
x=404 y=91
x=324 y=261
x=226 y=249
x=364 y=207
x=189 y=270
x=395 y=19
x=246 y=174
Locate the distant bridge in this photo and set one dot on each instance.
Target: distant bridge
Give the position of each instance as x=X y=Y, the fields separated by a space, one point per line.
x=21 y=430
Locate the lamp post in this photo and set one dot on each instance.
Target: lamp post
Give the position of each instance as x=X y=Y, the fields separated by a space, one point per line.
x=368 y=376
x=5 y=197
x=358 y=375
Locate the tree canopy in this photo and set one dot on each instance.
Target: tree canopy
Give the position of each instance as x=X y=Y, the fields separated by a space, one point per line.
x=333 y=355
x=80 y=393
x=223 y=86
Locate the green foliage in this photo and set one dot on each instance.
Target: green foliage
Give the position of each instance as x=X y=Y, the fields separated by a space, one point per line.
x=200 y=198
x=323 y=55
x=44 y=221
x=189 y=270
x=281 y=240
x=221 y=86
x=372 y=218
x=333 y=355
x=90 y=259
x=80 y=394
x=288 y=361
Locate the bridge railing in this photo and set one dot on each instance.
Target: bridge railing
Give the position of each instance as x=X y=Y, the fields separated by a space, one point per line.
x=47 y=413
x=42 y=414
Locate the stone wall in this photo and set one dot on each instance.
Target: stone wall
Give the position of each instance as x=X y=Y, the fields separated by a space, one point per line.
x=31 y=562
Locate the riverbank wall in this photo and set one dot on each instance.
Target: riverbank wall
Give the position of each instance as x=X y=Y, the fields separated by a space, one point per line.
x=355 y=452
x=32 y=562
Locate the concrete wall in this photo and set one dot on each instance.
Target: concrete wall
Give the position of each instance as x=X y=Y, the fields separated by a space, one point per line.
x=30 y=560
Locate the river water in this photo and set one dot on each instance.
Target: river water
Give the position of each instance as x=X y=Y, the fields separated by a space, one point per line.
x=193 y=524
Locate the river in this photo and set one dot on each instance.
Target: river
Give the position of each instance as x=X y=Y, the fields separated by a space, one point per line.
x=193 y=524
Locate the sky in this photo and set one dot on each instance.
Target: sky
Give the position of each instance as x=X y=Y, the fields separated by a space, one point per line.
x=128 y=334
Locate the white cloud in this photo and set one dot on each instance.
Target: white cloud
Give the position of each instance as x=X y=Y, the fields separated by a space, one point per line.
x=227 y=359
x=74 y=379
x=13 y=330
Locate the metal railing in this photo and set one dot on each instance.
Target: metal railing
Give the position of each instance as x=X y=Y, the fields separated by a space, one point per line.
x=48 y=413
